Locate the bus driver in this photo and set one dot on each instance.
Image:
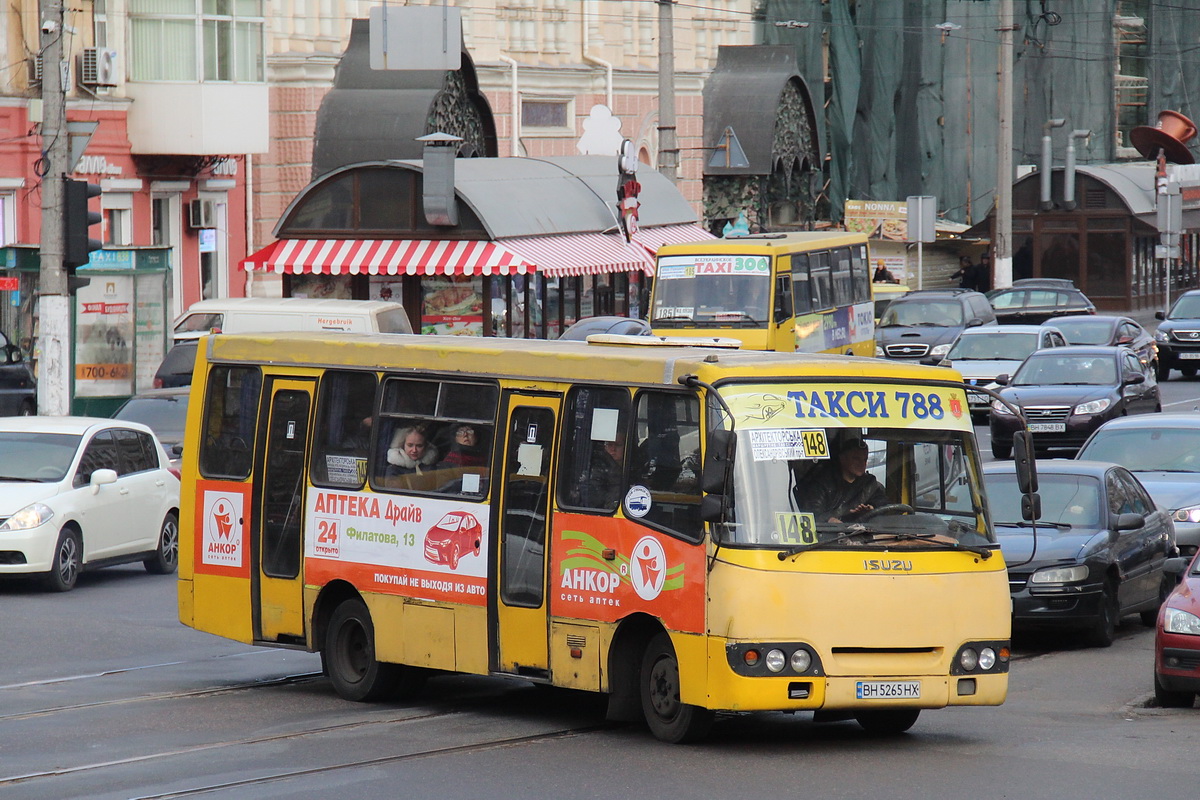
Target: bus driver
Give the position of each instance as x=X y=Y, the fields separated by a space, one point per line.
x=843 y=490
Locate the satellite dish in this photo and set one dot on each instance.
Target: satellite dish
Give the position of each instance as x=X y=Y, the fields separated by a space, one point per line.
x=1169 y=135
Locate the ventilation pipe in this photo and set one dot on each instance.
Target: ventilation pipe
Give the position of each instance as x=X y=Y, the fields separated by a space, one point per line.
x=591 y=59
x=1069 y=172
x=516 y=106
x=440 y=202
x=1048 y=160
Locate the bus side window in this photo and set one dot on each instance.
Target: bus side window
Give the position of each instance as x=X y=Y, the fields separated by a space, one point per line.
x=821 y=281
x=801 y=294
x=843 y=283
x=593 y=451
x=229 y=419
x=667 y=462
x=860 y=272
x=345 y=420
x=783 y=298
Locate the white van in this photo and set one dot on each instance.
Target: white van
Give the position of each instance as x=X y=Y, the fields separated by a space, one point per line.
x=275 y=314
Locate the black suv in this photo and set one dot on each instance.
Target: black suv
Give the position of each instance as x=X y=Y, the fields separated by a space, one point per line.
x=1178 y=336
x=18 y=389
x=1032 y=301
x=921 y=325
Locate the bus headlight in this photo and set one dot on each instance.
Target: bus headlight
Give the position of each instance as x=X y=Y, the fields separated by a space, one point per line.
x=987 y=658
x=801 y=661
x=775 y=660
x=968 y=659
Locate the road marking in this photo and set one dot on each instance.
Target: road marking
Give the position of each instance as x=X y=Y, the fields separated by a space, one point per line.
x=1195 y=403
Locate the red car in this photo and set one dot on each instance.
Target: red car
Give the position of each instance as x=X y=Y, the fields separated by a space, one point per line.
x=455 y=534
x=1177 y=639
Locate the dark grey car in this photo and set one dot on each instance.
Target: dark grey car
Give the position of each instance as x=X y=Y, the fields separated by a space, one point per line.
x=1099 y=551
x=922 y=325
x=18 y=389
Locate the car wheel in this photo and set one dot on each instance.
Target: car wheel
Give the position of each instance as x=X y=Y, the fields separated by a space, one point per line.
x=1001 y=450
x=166 y=557
x=349 y=657
x=27 y=409
x=1165 y=698
x=1104 y=627
x=669 y=719
x=1162 y=371
x=887 y=723
x=1188 y=372
x=1150 y=616
x=454 y=555
x=68 y=554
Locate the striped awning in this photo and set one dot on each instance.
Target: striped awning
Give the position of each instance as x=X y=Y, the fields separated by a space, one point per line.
x=654 y=238
x=388 y=257
x=581 y=254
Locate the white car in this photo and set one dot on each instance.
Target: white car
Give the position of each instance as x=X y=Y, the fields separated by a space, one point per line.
x=77 y=493
x=981 y=354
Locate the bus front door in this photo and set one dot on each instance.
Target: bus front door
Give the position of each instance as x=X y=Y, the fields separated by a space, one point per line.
x=521 y=628
x=277 y=527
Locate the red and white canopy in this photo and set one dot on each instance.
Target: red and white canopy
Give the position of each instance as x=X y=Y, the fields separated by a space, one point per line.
x=387 y=257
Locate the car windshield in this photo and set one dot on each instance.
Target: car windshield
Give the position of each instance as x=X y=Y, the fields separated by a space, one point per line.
x=940 y=313
x=1067 y=500
x=166 y=416
x=995 y=346
x=713 y=289
x=36 y=457
x=780 y=500
x=1051 y=369
x=199 y=323
x=1187 y=307
x=1085 y=331
x=1147 y=449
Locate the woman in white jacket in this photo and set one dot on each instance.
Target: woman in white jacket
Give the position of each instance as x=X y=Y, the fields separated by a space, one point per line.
x=410 y=452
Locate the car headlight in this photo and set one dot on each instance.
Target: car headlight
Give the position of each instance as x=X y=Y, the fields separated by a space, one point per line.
x=878 y=351
x=28 y=517
x=1000 y=409
x=1074 y=574
x=1187 y=514
x=1094 y=407
x=939 y=350
x=1161 y=336
x=1176 y=621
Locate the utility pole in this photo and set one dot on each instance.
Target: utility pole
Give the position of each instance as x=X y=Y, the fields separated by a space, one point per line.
x=1002 y=257
x=668 y=146
x=54 y=306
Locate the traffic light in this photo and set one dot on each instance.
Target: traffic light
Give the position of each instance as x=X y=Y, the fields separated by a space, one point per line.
x=77 y=221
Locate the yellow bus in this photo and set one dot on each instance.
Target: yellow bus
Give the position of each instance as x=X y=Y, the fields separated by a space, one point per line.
x=624 y=515
x=802 y=292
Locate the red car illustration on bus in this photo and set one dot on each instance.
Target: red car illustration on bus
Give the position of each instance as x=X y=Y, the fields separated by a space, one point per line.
x=455 y=534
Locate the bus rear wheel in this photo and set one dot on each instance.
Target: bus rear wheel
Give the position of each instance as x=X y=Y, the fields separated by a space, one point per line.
x=669 y=719
x=887 y=723
x=349 y=656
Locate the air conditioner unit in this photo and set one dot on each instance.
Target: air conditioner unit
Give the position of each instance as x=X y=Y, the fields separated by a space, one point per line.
x=98 y=66
x=202 y=214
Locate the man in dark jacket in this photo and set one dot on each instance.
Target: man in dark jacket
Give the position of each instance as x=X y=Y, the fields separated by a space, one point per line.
x=843 y=490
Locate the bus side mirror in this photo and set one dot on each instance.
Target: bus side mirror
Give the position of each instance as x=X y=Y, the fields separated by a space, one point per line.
x=1023 y=458
x=714 y=478
x=1031 y=506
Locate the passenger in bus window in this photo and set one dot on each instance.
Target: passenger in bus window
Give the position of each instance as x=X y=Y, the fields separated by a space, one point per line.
x=842 y=490
x=603 y=483
x=466 y=450
x=410 y=452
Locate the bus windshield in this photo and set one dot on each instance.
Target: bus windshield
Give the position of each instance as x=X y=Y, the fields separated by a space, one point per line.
x=806 y=481
x=712 y=290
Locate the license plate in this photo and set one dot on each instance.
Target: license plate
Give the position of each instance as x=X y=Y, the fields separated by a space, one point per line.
x=888 y=690
x=1189 y=356
x=1047 y=427
x=976 y=397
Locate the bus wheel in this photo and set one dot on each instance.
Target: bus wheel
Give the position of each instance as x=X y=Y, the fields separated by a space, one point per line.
x=669 y=720
x=349 y=656
x=887 y=723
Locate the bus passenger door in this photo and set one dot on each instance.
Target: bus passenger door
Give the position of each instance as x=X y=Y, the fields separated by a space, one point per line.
x=522 y=631
x=277 y=526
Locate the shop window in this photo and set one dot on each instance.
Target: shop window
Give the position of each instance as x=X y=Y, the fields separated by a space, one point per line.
x=592 y=460
x=435 y=436
x=345 y=419
x=227 y=433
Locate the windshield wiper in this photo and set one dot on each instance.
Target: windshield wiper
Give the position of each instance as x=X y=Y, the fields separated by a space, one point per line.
x=15 y=479
x=1062 y=526
x=796 y=549
x=905 y=536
